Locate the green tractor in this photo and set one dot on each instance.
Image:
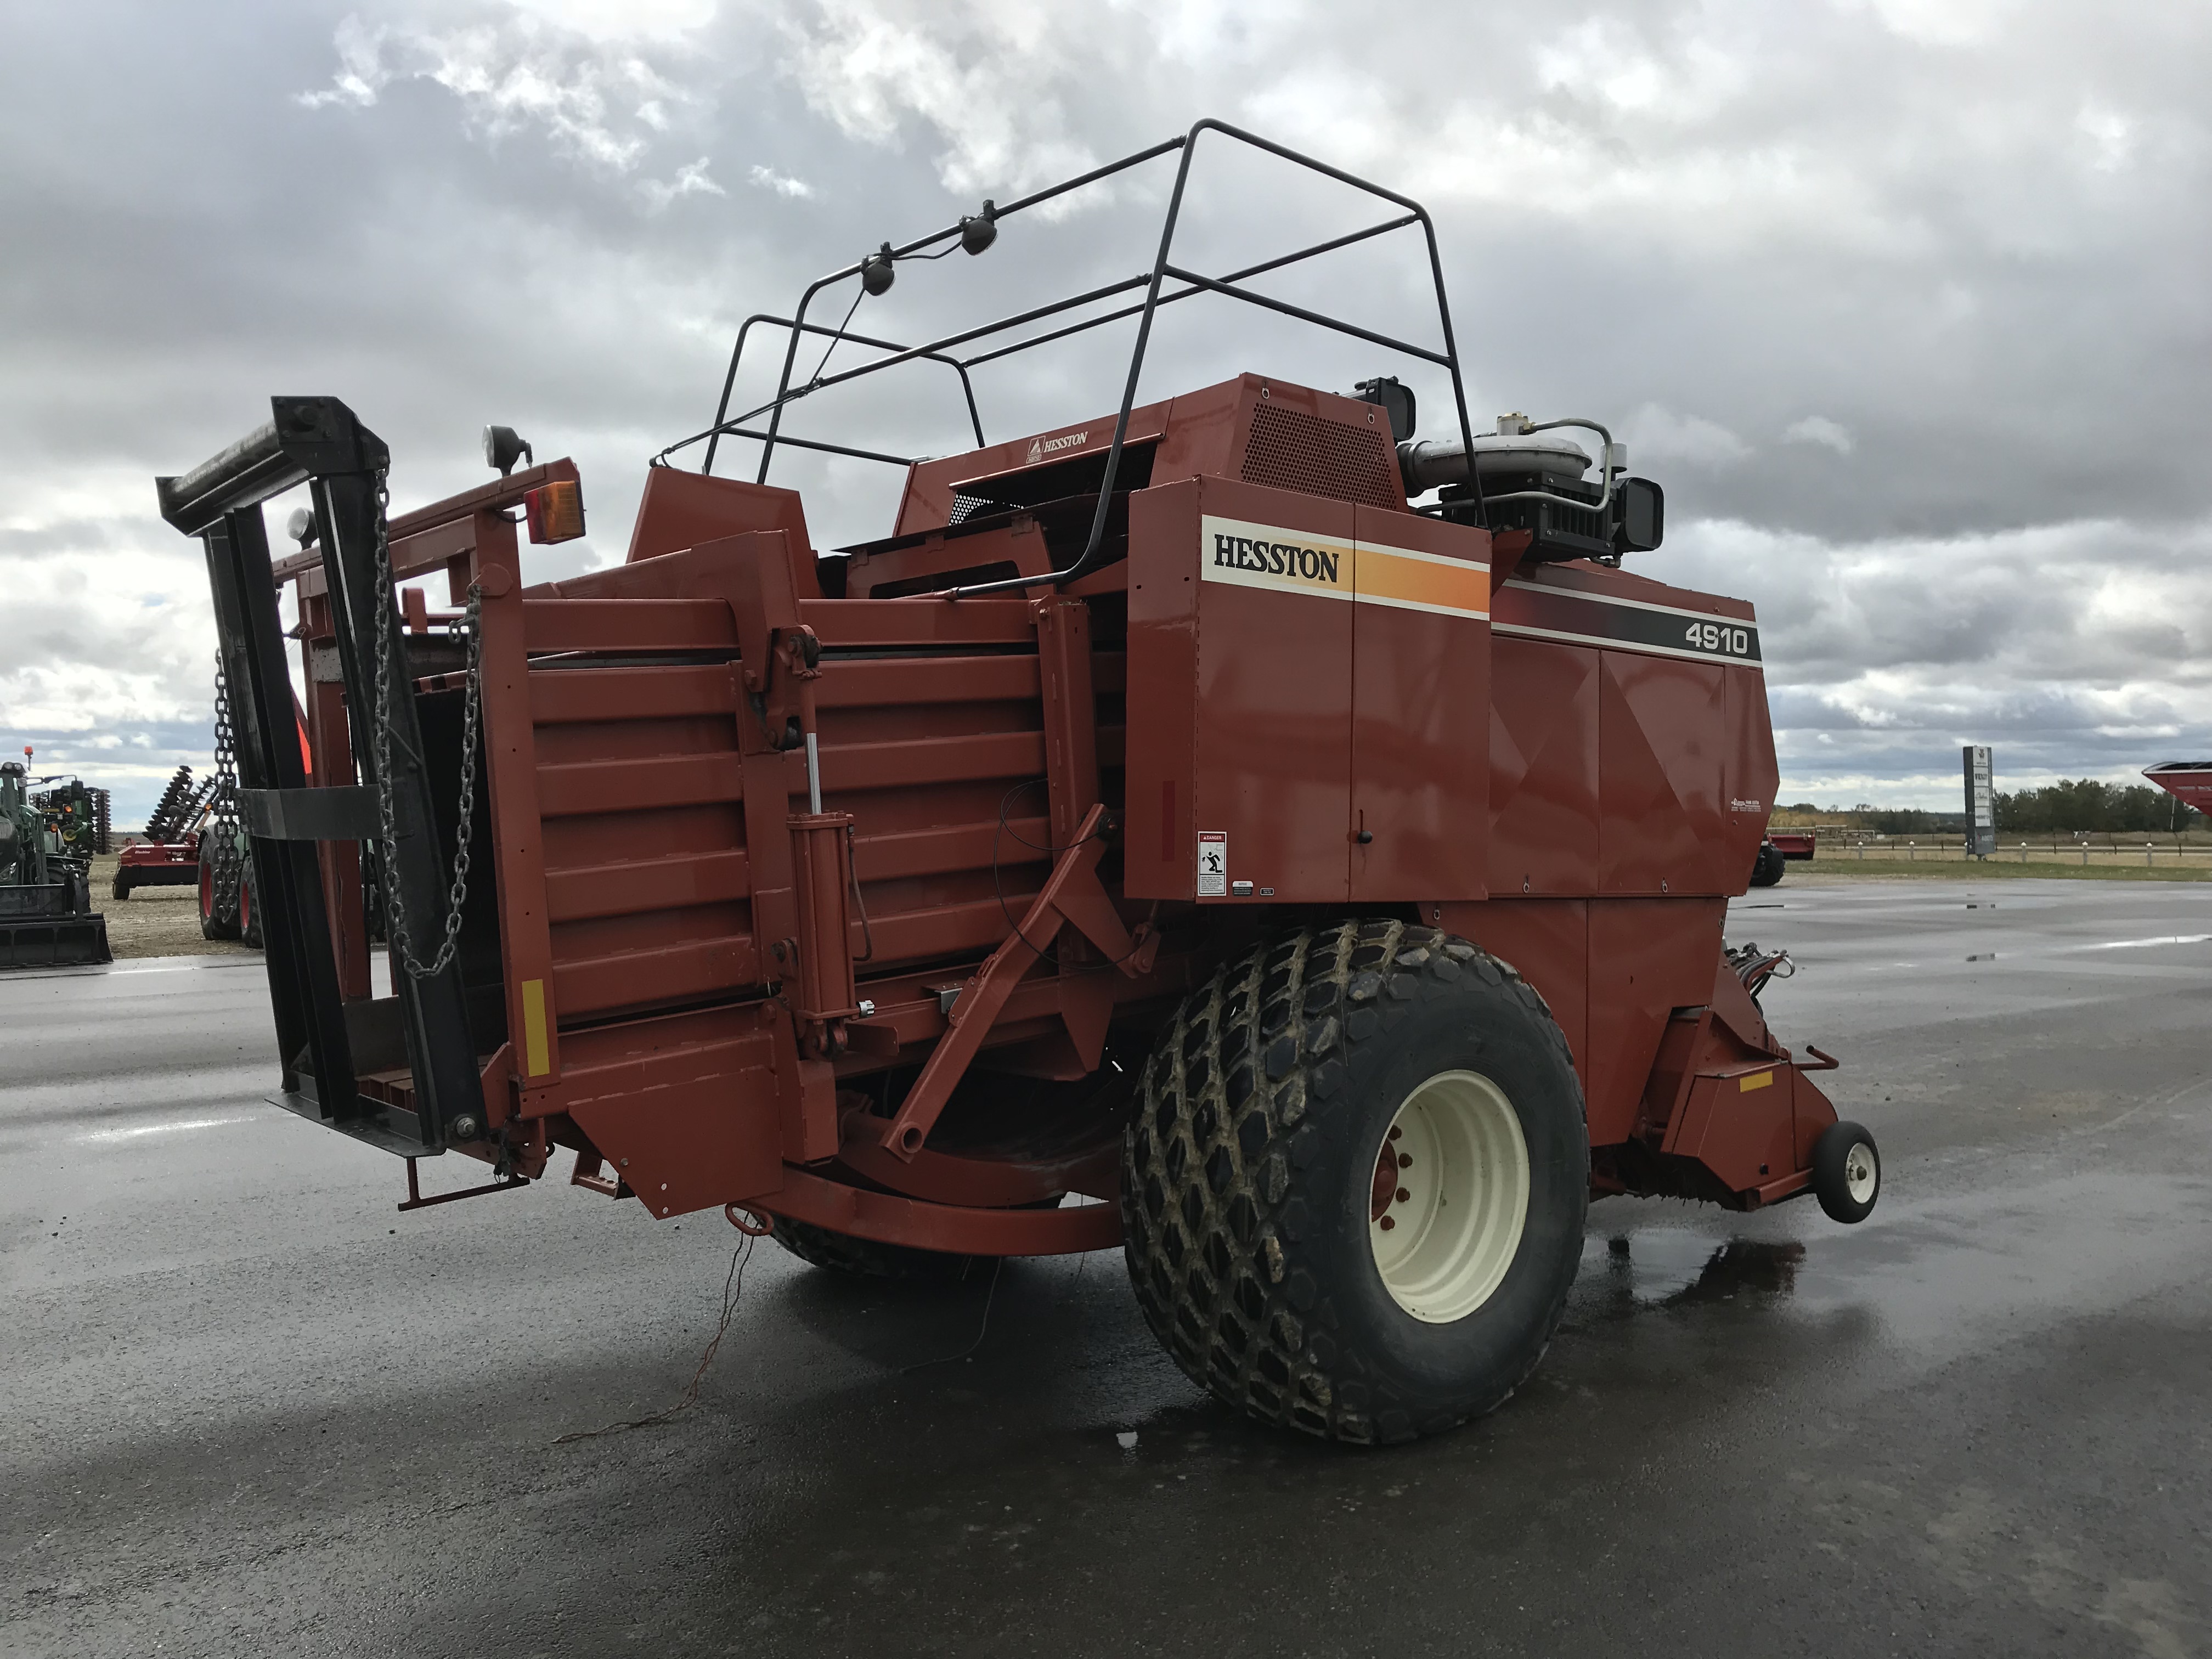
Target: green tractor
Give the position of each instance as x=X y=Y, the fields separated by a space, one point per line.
x=77 y=812
x=46 y=919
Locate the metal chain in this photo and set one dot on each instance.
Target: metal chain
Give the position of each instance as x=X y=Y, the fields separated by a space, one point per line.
x=222 y=830
x=395 y=908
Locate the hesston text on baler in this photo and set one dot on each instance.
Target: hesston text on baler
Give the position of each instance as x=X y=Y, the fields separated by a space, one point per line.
x=1166 y=813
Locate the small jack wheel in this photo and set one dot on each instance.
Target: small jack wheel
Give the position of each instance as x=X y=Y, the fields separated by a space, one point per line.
x=1846 y=1172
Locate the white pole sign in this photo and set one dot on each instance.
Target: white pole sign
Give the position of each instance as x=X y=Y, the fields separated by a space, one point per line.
x=1981 y=803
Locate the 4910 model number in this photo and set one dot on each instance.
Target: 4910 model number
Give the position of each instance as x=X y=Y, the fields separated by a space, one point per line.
x=1712 y=636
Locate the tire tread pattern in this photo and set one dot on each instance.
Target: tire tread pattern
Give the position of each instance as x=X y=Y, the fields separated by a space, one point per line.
x=1230 y=1106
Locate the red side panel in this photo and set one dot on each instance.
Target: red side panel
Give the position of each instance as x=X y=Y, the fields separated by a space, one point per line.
x=1157 y=850
x=683 y=1107
x=1663 y=816
x=1752 y=779
x=641 y=792
x=1420 y=657
x=1812 y=1113
x=1739 y=1125
x=1543 y=758
x=1647 y=958
x=1273 y=739
x=685 y=509
x=1546 y=942
x=1200 y=432
x=1240 y=695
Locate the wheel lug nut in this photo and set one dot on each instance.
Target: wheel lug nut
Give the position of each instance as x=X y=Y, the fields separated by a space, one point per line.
x=1403 y=1195
x=1395 y=1131
x=1386 y=1223
x=1405 y=1160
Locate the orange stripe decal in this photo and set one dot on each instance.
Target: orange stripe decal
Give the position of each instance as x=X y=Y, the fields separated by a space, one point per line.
x=1395 y=577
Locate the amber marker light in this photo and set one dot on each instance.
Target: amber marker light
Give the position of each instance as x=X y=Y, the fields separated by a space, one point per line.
x=555 y=511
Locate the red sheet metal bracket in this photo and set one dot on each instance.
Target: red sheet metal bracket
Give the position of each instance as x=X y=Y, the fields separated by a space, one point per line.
x=997 y=1182
x=590 y=1175
x=778 y=655
x=951 y=1228
x=1071 y=894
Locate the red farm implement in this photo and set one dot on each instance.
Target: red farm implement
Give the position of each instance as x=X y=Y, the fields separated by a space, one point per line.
x=192 y=839
x=167 y=852
x=1777 y=851
x=1175 y=834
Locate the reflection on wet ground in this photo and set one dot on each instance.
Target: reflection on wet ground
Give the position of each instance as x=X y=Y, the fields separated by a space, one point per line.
x=1665 y=1269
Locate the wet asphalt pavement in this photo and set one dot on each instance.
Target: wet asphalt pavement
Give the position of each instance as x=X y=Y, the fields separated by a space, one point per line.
x=245 y=1407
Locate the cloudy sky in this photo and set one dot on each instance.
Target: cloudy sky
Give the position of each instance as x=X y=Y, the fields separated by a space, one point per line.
x=1905 y=303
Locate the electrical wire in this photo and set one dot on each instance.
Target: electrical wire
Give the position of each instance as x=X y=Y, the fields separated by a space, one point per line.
x=815 y=379
x=998 y=887
x=733 y=1286
x=859 y=903
x=997 y=1262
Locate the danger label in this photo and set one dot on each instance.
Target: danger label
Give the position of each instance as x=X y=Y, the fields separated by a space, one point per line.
x=1213 y=864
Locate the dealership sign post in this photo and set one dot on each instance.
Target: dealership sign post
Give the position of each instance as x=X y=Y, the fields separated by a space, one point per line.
x=1981 y=804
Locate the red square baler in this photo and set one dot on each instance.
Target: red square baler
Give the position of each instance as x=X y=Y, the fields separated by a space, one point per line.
x=1178 y=833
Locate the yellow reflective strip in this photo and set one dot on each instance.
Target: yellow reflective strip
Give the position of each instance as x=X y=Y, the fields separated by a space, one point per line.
x=1756 y=1080
x=534 y=1062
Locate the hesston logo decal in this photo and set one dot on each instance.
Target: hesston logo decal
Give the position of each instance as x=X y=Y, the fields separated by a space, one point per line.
x=1298 y=562
x=1277 y=558
x=1041 y=447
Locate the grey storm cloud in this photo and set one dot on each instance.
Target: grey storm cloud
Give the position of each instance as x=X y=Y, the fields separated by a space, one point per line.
x=1902 y=300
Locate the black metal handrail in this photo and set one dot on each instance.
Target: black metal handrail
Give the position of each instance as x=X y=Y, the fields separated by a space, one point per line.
x=725 y=427
x=1154 y=284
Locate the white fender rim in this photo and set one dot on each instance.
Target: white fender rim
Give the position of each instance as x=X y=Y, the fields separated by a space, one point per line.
x=1445 y=1233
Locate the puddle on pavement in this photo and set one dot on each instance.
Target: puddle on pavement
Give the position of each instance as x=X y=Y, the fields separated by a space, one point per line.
x=1668 y=1267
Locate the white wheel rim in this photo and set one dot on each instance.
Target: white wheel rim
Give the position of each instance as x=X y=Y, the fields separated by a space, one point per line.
x=1451 y=1227
x=1862 y=1172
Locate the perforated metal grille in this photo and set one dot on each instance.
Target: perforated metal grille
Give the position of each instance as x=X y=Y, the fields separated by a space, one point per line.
x=1290 y=449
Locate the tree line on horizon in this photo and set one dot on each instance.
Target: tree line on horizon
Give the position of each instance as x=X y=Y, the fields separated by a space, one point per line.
x=2068 y=806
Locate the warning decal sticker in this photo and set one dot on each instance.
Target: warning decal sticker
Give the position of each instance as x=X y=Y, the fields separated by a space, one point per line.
x=1213 y=864
x=1298 y=562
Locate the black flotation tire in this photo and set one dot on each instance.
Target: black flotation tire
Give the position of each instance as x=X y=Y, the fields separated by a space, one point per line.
x=1248 y=1167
